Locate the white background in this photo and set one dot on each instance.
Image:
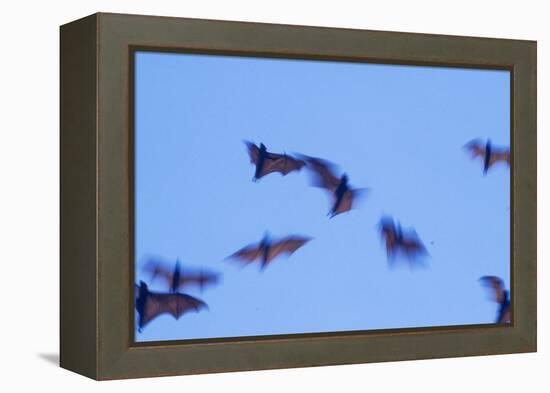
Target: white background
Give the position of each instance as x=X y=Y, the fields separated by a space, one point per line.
x=29 y=212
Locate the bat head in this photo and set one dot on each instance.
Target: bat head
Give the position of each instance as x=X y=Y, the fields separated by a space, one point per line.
x=399 y=232
x=263 y=148
x=176 y=277
x=344 y=179
x=177 y=267
x=266 y=240
x=143 y=290
x=386 y=224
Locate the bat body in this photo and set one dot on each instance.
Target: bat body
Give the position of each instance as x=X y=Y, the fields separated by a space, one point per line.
x=500 y=295
x=267 y=250
x=150 y=305
x=399 y=241
x=177 y=278
x=342 y=194
x=487 y=153
x=267 y=162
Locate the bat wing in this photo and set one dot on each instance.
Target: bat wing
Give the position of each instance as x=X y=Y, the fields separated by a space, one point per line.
x=325 y=173
x=498 y=156
x=247 y=254
x=175 y=304
x=476 y=148
x=287 y=245
x=412 y=245
x=282 y=163
x=348 y=200
x=157 y=267
x=253 y=152
x=496 y=285
x=388 y=235
x=505 y=315
x=200 y=279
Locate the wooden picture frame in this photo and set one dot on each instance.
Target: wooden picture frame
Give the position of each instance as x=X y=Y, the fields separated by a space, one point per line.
x=96 y=142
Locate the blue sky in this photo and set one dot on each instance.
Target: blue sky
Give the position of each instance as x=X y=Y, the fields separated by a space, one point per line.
x=398 y=130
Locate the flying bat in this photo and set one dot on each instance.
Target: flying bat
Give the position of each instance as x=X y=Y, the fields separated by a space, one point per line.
x=399 y=241
x=267 y=162
x=489 y=154
x=500 y=295
x=178 y=278
x=150 y=305
x=342 y=195
x=267 y=250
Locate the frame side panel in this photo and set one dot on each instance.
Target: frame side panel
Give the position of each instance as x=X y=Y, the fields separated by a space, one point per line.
x=78 y=191
x=525 y=196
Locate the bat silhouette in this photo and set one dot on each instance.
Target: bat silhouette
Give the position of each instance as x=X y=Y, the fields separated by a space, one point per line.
x=342 y=195
x=267 y=162
x=487 y=153
x=267 y=250
x=399 y=241
x=499 y=295
x=177 y=278
x=150 y=305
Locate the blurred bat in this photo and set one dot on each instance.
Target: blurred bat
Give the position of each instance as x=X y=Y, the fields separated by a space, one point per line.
x=499 y=295
x=150 y=305
x=488 y=154
x=177 y=278
x=399 y=241
x=267 y=162
x=267 y=250
x=343 y=196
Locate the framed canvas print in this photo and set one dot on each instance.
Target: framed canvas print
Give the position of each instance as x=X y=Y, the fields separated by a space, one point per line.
x=240 y=196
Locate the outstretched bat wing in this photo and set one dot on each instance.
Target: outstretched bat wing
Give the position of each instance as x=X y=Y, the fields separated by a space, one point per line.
x=253 y=152
x=348 y=200
x=157 y=267
x=497 y=287
x=476 y=148
x=287 y=245
x=247 y=254
x=412 y=245
x=504 y=315
x=502 y=155
x=282 y=163
x=324 y=173
x=200 y=279
x=388 y=235
x=175 y=304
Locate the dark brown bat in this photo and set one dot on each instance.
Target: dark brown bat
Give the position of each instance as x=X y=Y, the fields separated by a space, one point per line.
x=267 y=162
x=150 y=305
x=178 y=278
x=499 y=295
x=267 y=250
x=489 y=154
x=342 y=195
x=398 y=241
